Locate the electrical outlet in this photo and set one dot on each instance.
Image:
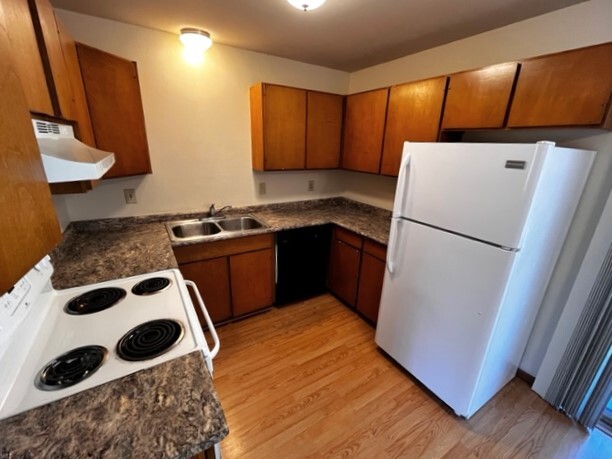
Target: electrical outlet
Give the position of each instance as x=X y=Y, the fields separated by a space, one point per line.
x=262 y=188
x=311 y=184
x=130 y=196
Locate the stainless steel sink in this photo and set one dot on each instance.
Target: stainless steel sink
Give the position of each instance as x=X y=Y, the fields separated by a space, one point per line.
x=192 y=230
x=240 y=224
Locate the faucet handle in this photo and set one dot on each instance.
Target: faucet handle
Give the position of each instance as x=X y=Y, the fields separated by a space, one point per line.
x=211 y=210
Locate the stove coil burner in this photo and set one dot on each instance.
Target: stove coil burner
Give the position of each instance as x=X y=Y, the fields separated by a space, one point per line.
x=149 y=340
x=151 y=286
x=95 y=300
x=72 y=367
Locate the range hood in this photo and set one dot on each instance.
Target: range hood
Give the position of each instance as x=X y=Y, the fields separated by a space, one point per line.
x=66 y=159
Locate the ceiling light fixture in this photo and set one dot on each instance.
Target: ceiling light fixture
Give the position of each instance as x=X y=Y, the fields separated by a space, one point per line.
x=306 y=5
x=195 y=40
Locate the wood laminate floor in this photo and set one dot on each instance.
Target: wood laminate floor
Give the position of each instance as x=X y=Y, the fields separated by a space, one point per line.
x=307 y=381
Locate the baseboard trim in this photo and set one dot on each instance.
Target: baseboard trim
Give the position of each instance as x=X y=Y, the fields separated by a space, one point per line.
x=525 y=376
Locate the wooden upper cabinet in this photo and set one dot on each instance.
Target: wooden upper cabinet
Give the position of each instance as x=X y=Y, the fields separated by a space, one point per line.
x=323 y=130
x=566 y=89
x=278 y=127
x=78 y=109
x=25 y=54
x=113 y=96
x=364 y=126
x=58 y=79
x=479 y=98
x=413 y=114
x=28 y=225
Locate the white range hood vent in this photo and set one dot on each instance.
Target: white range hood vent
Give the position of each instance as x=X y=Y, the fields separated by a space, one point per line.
x=66 y=159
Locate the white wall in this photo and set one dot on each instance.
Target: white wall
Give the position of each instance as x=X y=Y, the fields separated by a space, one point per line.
x=197 y=121
x=580 y=25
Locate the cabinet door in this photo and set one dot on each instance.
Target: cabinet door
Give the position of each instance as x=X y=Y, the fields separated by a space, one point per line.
x=55 y=55
x=323 y=130
x=113 y=96
x=344 y=271
x=28 y=225
x=78 y=110
x=252 y=281
x=479 y=98
x=212 y=279
x=278 y=127
x=371 y=277
x=413 y=114
x=25 y=54
x=565 y=89
x=364 y=126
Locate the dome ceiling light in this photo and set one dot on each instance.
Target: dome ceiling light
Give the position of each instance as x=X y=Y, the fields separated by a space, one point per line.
x=306 y=5
x=196 y=40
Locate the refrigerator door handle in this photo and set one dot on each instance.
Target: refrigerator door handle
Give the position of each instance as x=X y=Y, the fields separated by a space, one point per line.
x=398 y=208
x=393 y=244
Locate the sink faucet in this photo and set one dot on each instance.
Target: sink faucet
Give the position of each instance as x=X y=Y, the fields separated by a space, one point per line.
x=212 y=211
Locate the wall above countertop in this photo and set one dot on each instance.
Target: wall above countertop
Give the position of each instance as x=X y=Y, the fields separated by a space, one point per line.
x=197 y=123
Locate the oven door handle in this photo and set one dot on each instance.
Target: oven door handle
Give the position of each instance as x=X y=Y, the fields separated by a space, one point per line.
x=215 y=350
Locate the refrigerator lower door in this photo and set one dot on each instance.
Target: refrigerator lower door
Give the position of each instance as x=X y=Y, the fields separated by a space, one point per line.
x=439 y=306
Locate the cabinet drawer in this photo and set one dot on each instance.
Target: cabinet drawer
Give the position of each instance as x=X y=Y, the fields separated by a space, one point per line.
x=375 y=249
x=348 y=237
x=215 y=249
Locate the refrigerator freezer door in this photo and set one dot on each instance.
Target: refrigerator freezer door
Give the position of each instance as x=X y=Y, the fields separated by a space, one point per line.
x=439 y=307
x=480 y=190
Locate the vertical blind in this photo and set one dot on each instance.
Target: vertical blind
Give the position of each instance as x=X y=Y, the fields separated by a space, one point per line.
x=582 y=384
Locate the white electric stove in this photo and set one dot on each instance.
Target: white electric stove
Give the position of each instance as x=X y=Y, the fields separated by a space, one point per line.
x=55 y=343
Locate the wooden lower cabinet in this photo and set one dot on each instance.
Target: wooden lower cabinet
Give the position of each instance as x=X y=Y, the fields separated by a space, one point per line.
x=356 y=271
x=252 y=279
x=235 y=276
x=344 y=271
x=371 y=276
x=213 y=281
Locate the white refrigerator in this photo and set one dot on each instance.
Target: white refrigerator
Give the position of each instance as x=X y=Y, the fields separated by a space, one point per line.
x=475 y=235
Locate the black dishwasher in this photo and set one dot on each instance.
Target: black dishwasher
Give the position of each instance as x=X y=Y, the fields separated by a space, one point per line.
x=301 y=262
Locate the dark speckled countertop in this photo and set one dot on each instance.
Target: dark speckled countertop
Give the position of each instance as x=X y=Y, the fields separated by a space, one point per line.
x=170 y=410
x=100 y=250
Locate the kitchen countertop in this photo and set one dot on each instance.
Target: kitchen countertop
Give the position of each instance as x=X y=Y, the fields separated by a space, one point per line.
x=99 y=250
x=168 y=411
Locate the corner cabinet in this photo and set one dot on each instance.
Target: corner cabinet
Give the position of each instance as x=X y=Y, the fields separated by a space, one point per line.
x=356 y=272
x=29 y=225
x=344 y=260
x=479 y=99
x=294 y=129
x=235 y=276
x=413 y=114
x=371 y=276
x=565 y=89
x=115 y=105
x=364 y=128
